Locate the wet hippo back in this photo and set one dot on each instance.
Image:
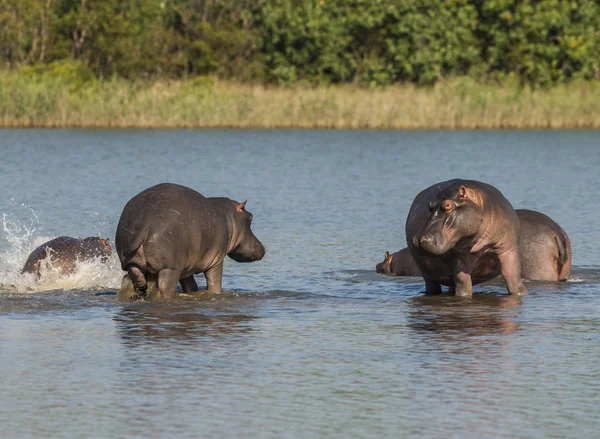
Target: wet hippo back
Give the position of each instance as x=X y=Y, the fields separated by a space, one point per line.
x=544 y=246
x=64 y=252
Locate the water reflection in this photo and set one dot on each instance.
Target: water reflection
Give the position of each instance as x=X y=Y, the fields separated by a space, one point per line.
x=466 y=339
x=448 y=316
x=142 y=323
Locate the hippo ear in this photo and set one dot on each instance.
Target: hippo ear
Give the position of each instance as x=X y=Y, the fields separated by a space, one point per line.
x=469 y=194
x=241 y=206
x=387 y=255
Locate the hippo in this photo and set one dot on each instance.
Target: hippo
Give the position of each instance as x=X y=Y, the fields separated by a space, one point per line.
x=544 y=246
x=168 y=233
x=400 y=263
x=64 y=253
x=462 y=233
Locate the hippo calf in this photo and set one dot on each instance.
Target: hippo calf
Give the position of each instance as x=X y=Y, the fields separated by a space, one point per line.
x=400 y=263
x=64 y=252
x=169 y=232
x=464 y=232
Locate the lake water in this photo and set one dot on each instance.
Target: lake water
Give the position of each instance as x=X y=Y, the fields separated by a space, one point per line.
x=308 y=342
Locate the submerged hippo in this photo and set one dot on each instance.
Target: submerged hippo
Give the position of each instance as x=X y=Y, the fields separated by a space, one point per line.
x=64 y=253
x=400 y=263
x=544 y=246
x=170 y=232
x=464 y=232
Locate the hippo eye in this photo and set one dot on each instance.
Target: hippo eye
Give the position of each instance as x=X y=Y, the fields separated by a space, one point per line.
x=250 y=219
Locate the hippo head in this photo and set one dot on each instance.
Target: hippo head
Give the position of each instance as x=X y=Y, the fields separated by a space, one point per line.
x=384 y=267
x=246 y=247
x=455 y=214
x=106 y=244
x=96 y=246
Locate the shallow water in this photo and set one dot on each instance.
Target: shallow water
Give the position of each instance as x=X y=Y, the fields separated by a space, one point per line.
x=309 y=342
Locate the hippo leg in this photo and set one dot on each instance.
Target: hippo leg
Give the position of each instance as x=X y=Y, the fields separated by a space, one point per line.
x=510 y=266
x=214 y=277
x=432 y=287
x=167 y=283
x=188 y=284
x=139 y=280
x=463 y=285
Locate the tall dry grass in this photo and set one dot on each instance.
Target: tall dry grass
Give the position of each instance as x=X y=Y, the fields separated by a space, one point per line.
x=48 y=102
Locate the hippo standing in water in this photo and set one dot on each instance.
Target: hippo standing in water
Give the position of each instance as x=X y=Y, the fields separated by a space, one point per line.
x=400 y=263
x=544 y=246
x=64 y=253
x=170 y=232
x=464 y=232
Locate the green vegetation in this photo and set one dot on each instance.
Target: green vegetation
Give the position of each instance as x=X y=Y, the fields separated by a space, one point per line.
x=206 y=102
x=369 y=42
x=351 y=63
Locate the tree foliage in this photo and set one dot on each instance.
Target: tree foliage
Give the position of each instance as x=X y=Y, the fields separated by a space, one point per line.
x=371 y=42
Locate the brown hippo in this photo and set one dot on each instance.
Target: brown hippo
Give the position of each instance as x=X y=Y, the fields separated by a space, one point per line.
x=464 y=232
x=544 y=246
x=400 y=263
x=64 y=253
x=169 y=232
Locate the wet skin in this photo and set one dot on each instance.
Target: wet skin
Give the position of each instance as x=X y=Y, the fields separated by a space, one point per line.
x=544 y=247
x=464 y=232
x=169 y=232
x=64 y=253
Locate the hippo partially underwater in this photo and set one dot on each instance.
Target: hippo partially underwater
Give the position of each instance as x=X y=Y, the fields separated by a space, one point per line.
x=400 y=263
x=64 y=252
x=168 y=233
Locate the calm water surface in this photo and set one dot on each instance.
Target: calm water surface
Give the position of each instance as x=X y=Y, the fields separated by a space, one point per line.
x=309 y=342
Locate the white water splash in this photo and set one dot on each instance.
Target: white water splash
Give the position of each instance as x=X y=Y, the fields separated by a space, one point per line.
x=24 y=238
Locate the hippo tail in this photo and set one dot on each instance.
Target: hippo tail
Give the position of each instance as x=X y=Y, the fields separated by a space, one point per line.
x=127 y=254
x=564 y=256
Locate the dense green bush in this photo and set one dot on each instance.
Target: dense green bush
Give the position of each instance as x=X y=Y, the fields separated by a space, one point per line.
x=369 y=42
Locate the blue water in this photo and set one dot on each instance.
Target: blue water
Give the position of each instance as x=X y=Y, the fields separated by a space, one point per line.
x=308 y=342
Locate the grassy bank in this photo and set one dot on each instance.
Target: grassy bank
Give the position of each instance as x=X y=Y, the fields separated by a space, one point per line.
x=46 y=102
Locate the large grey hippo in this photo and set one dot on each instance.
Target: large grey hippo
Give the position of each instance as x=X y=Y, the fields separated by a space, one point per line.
x=464 y=232
x=544 y=247
x=64 y=252
x=169 y=232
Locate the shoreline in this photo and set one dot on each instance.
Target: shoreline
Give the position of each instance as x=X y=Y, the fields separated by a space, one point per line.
x=300 y=128
x=460 y=104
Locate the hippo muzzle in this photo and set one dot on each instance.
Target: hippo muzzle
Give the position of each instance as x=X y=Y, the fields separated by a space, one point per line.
x=255 y=253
